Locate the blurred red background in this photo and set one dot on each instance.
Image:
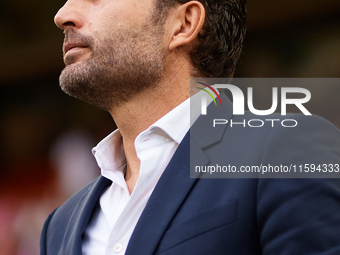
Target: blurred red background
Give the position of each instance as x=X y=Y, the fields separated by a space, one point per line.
x=46 y=137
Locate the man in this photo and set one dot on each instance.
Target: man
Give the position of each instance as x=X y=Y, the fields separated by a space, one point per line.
x=135 y=60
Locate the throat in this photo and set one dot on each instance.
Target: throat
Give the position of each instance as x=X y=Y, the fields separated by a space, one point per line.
x=132 y=168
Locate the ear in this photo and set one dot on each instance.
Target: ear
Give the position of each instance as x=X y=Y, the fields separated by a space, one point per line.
x=185 y=24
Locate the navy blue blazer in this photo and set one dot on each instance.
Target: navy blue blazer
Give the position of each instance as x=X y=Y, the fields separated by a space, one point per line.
x=201 y=216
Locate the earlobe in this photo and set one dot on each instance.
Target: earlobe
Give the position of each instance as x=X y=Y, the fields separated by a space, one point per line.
x=187 y=23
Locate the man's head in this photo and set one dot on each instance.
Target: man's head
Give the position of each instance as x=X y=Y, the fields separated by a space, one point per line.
x=114 y=50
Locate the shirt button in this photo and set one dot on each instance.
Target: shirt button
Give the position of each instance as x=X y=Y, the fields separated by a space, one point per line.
x=117 y=247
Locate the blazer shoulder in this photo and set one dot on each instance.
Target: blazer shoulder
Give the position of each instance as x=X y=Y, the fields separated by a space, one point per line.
x=54 y=229
x=71 y=202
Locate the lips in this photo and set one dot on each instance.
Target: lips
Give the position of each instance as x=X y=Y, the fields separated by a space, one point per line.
x=70 y=46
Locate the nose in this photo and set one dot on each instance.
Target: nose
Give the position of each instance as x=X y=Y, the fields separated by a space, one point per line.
x=70 y=15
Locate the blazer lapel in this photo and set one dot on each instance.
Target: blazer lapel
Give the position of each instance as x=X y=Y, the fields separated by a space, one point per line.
x=72 y=243
x=175 y=183
x=167 y=196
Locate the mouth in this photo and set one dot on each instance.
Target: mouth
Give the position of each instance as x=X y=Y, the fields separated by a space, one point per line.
x=70 y=47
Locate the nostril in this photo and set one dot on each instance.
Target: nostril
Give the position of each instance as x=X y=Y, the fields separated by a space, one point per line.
x=69 y=23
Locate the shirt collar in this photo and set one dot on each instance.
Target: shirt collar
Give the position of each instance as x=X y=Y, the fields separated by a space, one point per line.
x=109 y=153
x=176 y=123
x=111 y=145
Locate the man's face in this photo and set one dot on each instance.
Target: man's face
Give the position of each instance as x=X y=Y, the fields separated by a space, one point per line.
x=112 y=49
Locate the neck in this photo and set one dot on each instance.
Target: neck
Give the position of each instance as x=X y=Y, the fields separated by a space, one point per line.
x=146 y=108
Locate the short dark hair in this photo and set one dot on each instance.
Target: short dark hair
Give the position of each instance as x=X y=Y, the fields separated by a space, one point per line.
x=221 y=39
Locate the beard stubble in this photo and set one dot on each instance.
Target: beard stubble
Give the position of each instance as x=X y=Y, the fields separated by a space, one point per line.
x=118 y=68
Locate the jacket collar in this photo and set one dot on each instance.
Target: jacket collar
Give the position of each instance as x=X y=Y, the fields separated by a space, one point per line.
x=203 y=132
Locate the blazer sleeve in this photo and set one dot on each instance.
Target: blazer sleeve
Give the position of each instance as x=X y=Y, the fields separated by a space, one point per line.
x=300 y=215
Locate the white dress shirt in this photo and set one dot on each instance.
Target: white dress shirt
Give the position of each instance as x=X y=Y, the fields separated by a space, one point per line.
x=112 y=224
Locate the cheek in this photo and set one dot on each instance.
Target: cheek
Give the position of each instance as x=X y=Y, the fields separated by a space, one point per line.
x=105 y=26
x=111 y=17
